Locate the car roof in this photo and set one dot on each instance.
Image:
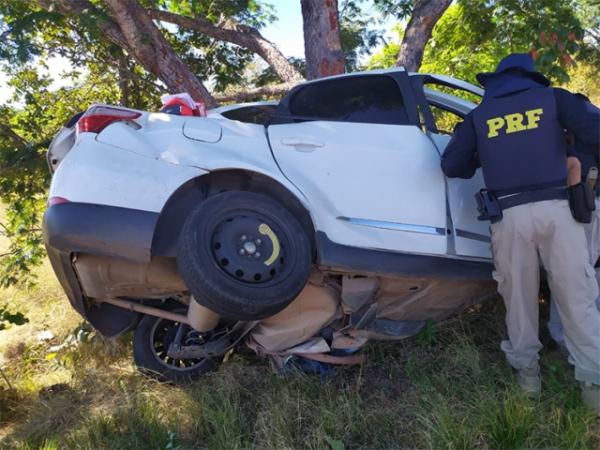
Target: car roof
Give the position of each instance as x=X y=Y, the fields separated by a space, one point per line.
x=355 y=74
x=225 y=108
x=445 y=79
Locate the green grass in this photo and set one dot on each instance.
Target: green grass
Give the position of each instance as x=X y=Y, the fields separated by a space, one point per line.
x=447 y=388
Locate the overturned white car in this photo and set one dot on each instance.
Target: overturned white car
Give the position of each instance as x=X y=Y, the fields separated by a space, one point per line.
x=327 y=209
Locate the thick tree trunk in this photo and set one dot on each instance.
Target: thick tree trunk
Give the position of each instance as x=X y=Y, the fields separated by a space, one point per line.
x=322 y=45
x=425 y=15
x=242 y=35
x=146 y=42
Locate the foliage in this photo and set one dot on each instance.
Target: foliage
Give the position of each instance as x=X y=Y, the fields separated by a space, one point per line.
x=267 y=75
x=39 y=111
x=208 y=58
x=473 y=35
x=359 y=32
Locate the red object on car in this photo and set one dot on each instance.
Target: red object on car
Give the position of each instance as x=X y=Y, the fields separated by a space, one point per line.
x=182 y=105
x=178 y=107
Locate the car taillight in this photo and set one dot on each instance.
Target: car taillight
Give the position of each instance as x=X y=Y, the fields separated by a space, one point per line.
x=56 y=201
x=97 y=118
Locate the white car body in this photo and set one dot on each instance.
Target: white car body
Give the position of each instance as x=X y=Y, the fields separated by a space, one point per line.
x=366 y=186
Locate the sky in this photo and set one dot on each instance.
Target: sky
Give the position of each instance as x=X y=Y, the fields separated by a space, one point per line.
x=286 y=33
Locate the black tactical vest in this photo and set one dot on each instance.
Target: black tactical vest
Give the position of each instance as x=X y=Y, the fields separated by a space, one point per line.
x=520 y=141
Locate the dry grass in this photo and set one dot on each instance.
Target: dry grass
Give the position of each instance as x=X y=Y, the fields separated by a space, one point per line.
x=447 y=388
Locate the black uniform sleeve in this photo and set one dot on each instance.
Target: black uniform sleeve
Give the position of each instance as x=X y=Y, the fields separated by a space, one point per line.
x=580 y=117
x=459 y=159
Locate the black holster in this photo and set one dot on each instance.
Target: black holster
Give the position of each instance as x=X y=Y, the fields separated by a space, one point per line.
x=582 y=202
x=488 y=206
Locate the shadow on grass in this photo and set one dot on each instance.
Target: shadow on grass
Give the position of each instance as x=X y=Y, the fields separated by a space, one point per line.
x=454 y=391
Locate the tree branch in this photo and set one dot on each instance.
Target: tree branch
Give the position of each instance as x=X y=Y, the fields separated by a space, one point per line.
x=75 y=8
x=151 y=48
x=238 y=34
x=251 y=94
x=130 y=28
x=8 y=132
x=425 y=15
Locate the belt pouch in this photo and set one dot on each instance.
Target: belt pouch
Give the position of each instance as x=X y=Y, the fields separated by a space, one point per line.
x=581 y=202
x=488 y=206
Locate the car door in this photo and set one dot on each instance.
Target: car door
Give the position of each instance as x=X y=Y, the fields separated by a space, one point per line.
x=351 y=144
x=469 y=236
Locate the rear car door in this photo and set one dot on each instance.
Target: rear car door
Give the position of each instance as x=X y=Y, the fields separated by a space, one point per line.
x=443 y=112
x=351 y=144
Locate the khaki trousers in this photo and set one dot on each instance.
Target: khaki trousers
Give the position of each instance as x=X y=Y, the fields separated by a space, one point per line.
x=546 y=232
x=592 y=233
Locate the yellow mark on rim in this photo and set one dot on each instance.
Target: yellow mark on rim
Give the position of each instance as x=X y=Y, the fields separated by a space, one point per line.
x=265 y=230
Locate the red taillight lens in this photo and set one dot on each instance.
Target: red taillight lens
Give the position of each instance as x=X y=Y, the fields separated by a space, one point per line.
x=97 y=118
x=56 y=201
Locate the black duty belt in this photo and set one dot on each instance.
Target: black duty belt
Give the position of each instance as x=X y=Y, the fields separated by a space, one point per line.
x=540 y=195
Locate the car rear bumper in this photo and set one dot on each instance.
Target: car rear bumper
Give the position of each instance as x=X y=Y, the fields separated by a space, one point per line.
x=71 y=228
x=100 y=230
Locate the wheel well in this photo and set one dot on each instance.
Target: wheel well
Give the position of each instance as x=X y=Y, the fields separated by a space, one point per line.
x=181 y=203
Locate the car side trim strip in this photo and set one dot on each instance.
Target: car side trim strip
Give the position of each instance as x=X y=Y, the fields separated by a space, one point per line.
x=473 y=236
x=346 y=259
x=395 y=226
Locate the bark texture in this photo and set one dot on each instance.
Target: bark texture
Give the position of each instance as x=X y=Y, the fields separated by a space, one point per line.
x=242 y=35
x=425 y=15
x=322 y=45
x=131 y=28
x=147 y=43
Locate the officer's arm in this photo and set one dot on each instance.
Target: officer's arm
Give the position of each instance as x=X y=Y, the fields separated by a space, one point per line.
x=459 y=159
x=580 y=117
x=573 y=171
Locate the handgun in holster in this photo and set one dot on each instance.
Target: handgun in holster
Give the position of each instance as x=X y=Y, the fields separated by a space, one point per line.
x=488 y=206
x=582 y=197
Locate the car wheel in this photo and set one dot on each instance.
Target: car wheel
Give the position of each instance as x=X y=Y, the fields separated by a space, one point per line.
x=151 y=341
x=243 y=255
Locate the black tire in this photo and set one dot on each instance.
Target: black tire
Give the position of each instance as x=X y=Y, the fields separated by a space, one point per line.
x=149 y=348
x=253 y=286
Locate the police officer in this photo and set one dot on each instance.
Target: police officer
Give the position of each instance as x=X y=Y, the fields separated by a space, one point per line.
x=516 y=135
x=584 y=167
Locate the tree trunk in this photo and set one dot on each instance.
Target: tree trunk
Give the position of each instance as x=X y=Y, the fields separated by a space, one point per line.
x=123 y=81
x=425 y=15
x=322 y=45
x=146 y=42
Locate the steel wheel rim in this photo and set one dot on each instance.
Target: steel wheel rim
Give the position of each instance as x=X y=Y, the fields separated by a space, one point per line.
x=249 y=248
x=160 y=348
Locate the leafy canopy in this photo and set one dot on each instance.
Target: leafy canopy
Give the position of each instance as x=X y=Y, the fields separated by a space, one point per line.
x=473 y=35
